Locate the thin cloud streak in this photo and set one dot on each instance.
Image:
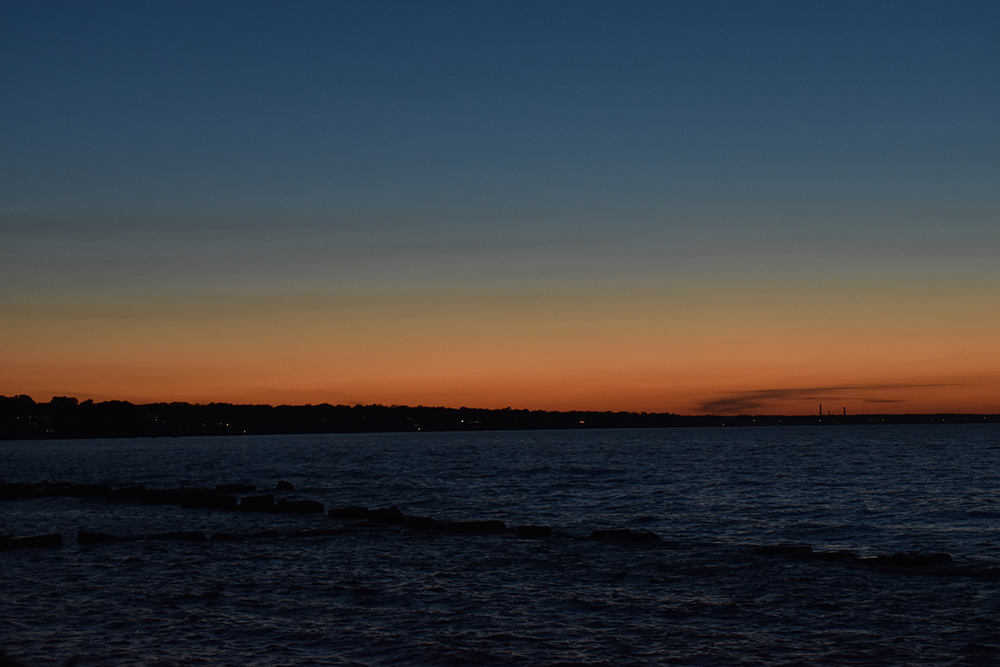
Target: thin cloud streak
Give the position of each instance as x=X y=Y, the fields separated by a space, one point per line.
x=743 y=402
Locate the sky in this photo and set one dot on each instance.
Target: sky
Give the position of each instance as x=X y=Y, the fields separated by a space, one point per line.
x=691 y=207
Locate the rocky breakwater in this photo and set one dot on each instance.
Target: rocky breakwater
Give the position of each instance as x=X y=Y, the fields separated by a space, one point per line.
x=222 y=497
x=351 y=518
x=52 y=489
x=11 y=542
x=356 y=517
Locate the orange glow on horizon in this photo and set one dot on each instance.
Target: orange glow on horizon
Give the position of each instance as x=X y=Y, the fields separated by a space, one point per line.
x=766 y=352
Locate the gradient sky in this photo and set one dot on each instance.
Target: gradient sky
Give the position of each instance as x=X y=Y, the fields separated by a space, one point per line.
x=691 y=207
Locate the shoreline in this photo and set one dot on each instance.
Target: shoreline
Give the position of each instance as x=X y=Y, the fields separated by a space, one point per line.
x=67 y=418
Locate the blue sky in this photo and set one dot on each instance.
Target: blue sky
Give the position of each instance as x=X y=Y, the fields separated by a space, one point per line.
x=667 y=151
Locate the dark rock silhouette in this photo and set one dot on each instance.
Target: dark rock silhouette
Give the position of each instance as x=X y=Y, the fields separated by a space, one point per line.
x=227 y=537
x=190 y=497
x=209 y=500
x=387 y=516
x=89 y=491
x=87 y=537
x=236 y=488
x=284 y=486
x=20 y=490
x=32 y=542
x=285 y=506
x=130 y=493
x=424 y=523
x=804 y=551
x=234 y=537
x=390 y=515
x=54 y=490
x=160 y=497
x=488 y=526
x=392 y=519
x=624 y=535
x=14 y=491
x=911 y=559
x=350 y=513
x=316 y=532
x=223 y=502
x=183 y=535
x=257 y=503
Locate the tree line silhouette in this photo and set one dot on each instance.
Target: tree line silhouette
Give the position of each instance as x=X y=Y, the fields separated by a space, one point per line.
x=21 y=418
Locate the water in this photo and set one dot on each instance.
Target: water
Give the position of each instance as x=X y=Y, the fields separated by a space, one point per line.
x=702 y=596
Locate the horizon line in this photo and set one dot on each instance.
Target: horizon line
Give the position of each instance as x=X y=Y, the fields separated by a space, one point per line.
x=77 y=402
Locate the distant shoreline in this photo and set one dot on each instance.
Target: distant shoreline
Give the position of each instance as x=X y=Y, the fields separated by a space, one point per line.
x=21 y=418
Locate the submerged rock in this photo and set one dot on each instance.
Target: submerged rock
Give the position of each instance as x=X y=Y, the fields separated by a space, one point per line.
x=316 y=532
x=227 y=537
x=87 y=537
x=20 y=490
x=235 y=488
x=15 y=491
x=50 y=489
x=129 y=493
x=185 y=497
x=909 y=559
x=89 y=491
x=257 y=503
x=212 y=501
x=263 y=534
x=424 y=523
x=183 y=535
x=350 y=513
x=32 y=542
x=390 y=515
x=533 y=531
x=284 y=486
x=488 y=526
x=785 y=550
x=285 y=506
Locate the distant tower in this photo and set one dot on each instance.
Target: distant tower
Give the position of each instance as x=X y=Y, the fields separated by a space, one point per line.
x=845 y=410
x=820 y=409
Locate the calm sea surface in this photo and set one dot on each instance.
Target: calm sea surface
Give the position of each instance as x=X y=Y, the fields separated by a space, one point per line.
x=701 y=596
